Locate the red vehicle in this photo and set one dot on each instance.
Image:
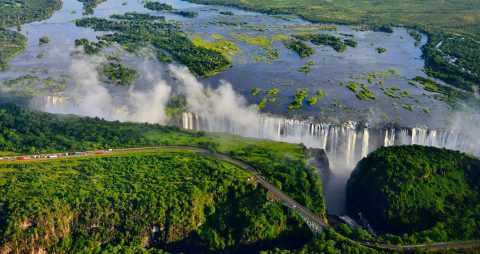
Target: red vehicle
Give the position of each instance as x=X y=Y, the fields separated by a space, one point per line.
x=21 y=158
x=100 y=152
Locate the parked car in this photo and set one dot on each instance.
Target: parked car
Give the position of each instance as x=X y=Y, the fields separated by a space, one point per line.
x=52 y=156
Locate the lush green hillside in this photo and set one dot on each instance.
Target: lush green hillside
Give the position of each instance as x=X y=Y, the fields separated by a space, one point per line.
x=444 y=21
x=17 y=13
x=26 y=131
x=177 y=201
x=429 y=192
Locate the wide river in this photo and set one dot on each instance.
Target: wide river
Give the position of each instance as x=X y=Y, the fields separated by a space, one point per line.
x=330 y=73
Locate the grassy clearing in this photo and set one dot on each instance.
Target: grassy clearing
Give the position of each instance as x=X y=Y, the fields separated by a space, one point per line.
x=219 y=44
x=259 y=40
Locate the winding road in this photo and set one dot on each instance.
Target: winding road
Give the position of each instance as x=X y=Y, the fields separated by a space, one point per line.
x=285 y=199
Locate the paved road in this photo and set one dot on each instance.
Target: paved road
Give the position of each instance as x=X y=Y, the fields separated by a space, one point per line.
x=282 y=196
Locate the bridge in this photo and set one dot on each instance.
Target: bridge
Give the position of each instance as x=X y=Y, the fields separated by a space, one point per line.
x=315 y=223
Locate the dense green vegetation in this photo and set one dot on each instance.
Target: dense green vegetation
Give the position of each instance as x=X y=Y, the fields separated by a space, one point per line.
x=352 y=86
x=20 y=12
x=366 y=94
x=16 y=13
x=381 y=50
x=11 y=44
x=351 y=43
x=186 y=14
x=325 y=39
x=157 y=6
x=255 y=91
x=103 y=204
x=300 y=95
x=27 y=131
x=319 y=95
x=428 y=192
x=118 y=74
x=453 y=59
x=441 y=20
x=447 y=94
x=134 y=30
x=330 y=242
x=458 y=17
x=91 y=48
x=307 y=67
x=301 y=48
x=43 y=40
x=90 y=5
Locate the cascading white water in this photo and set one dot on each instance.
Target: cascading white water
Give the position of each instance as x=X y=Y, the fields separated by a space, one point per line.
x=344 y=144
x=365 y=142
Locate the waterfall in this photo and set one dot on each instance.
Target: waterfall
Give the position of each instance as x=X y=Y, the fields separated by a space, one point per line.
x=345 y=144
x=365 y=143
x=53 y=100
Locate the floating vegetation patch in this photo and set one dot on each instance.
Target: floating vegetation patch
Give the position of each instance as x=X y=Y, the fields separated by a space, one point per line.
x=306 y=68
x=381 y=50
x=300 y=95
x=255 y=91
x=319 y=95
x=366 y=94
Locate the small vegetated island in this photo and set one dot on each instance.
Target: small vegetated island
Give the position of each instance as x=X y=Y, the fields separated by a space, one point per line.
x=118 y=73
x=157 y=6
x=326 y=39
x=429 y=194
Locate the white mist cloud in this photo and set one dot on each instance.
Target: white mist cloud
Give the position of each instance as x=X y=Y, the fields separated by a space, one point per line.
x=222 y=103
x=90 y=97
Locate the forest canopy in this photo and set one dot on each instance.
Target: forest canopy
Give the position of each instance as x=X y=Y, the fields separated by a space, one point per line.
x=417 y=189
